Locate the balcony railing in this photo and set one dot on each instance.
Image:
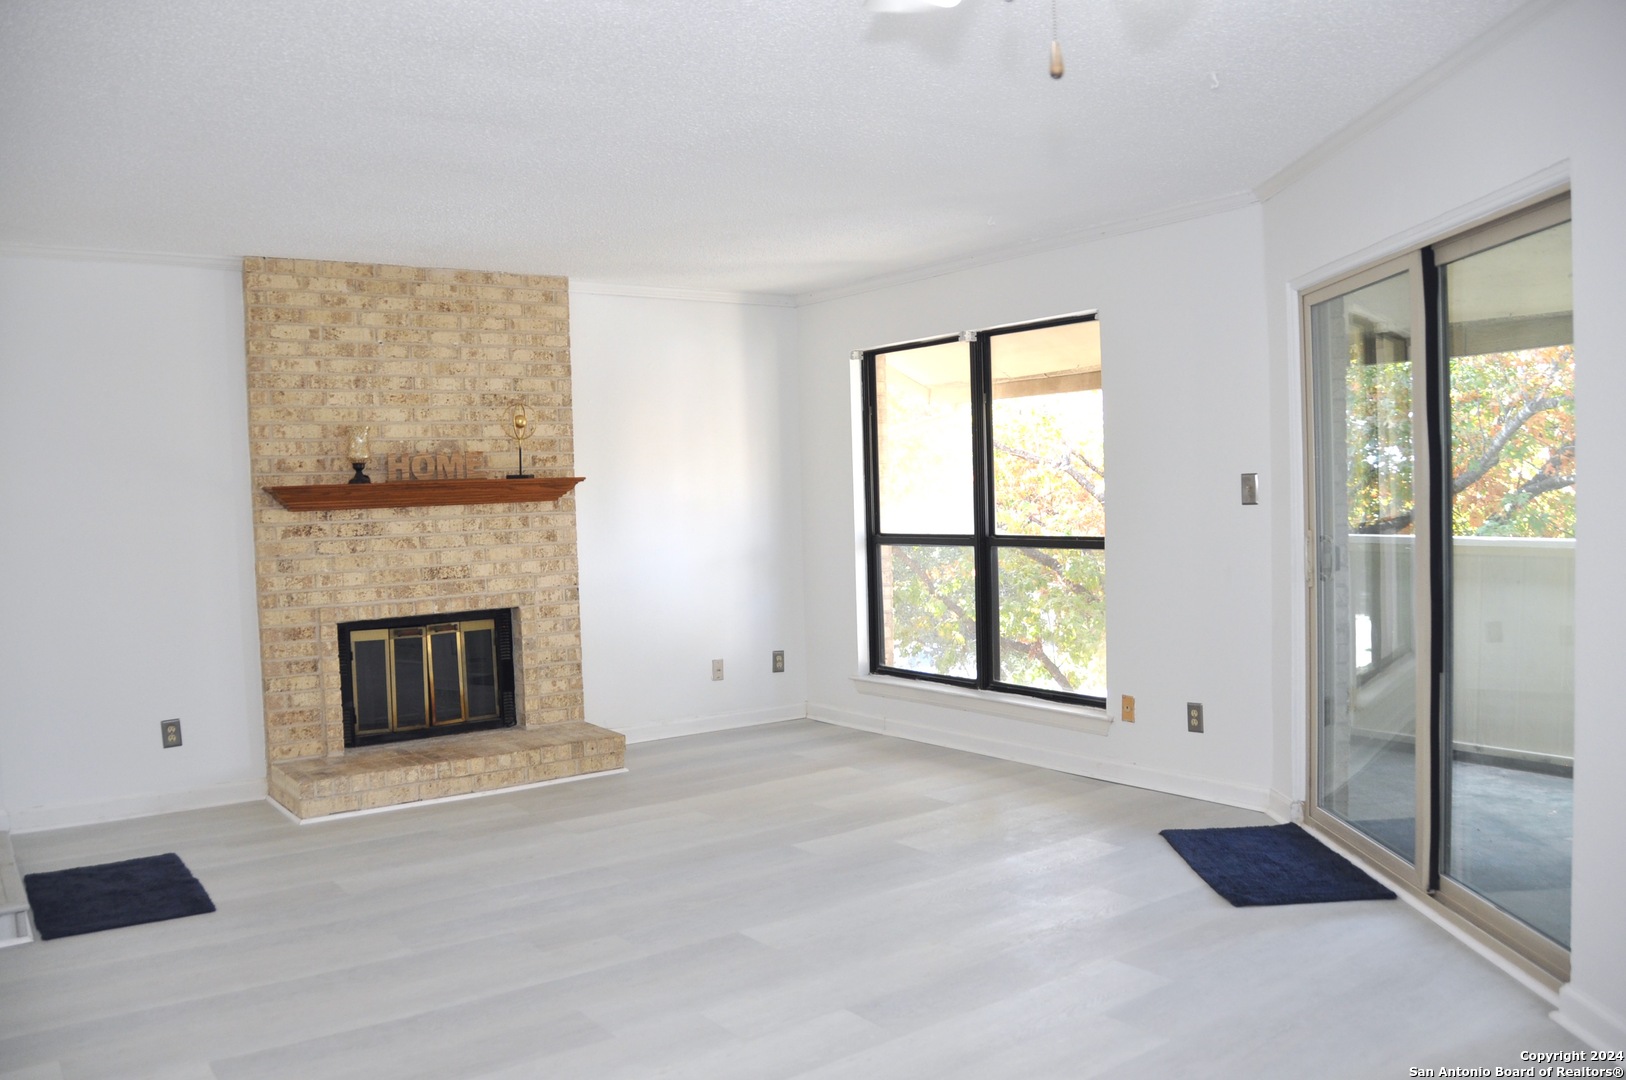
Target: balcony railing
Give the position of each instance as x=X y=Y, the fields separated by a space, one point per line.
x=1513 y=641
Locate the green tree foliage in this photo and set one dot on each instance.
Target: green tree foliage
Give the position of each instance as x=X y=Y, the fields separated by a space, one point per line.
x=1049 y=481
x=1512 y=445
x=1052 y=618
x=1513 y=474
x=1048 y=476
x=934 y=606
x=1378 y=438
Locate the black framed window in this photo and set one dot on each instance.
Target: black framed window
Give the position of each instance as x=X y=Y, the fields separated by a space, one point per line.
x=985 y=497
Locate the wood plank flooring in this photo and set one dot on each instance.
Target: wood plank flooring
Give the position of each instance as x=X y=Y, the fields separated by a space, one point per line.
x=795 y=900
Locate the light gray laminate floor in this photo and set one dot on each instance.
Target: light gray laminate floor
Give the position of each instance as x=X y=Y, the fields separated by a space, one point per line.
x=795 y=900
x=1511 y=827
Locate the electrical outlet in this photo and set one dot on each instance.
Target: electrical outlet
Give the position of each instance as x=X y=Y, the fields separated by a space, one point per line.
x=716 y=671
x=1194 y=716
x=171 y=731
x=778 y=661
x=1127 y=713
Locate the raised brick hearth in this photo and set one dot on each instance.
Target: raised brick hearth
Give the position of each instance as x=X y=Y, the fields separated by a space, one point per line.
x=432 y=360
x=377 y=776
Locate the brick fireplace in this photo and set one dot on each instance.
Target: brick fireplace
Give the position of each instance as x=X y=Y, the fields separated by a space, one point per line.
x=431 y=360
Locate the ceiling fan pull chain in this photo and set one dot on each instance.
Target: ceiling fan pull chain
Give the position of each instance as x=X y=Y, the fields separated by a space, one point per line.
x=1057 y=68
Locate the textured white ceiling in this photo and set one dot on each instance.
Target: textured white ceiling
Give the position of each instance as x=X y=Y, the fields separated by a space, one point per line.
x=782 y=146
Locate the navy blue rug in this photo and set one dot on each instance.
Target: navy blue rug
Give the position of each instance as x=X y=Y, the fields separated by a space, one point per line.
x=90 y=898
x=1272 y=864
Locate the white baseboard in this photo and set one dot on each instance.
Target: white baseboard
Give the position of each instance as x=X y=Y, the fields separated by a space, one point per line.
x=1284 y=808
x=700 y=725
x=1589 y=1021
x=16 y=928
x=15 y=919
x=1117 y=772
x=829 y=714
x=42 y=818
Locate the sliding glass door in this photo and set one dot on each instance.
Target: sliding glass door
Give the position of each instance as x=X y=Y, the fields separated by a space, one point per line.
x=1367 y=373
x=1509 y=348
x=1440 y=391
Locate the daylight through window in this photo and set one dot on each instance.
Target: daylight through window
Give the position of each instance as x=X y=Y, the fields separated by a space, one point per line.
x=986 y=505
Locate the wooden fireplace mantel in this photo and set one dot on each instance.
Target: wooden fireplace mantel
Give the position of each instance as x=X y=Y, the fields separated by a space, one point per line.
x=422 y=493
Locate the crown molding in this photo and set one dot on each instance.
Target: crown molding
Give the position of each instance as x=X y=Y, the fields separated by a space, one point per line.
x=1385 y=110
x=14 y=249
x=661 y=292
x=1056 y=242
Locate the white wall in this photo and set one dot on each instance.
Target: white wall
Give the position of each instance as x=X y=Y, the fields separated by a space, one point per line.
x=1189 y=569
x=126 y=497
x=689 y=522
x=1539 y=105
x=718 y=445
x=126 y=541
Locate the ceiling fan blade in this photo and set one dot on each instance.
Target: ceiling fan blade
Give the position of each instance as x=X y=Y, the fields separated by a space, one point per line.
x=907 y=7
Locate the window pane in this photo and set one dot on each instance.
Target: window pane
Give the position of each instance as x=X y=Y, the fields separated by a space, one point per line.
x=1508 y=314
x=923 y=439
x=1362 y=370
x=1052 y=619
x=929 y=609
x=1048 y=461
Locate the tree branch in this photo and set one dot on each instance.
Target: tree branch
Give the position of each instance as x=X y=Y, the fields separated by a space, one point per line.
x=1065 y=466
x=1035 y=650
x=1511 y=423
x=1541 y=483
x=1546 y=479
x=968 y=624
x=1388 y=526
x=1053 y=564
x=1510 y=427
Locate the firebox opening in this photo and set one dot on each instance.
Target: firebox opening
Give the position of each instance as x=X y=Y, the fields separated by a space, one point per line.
x=421 y=676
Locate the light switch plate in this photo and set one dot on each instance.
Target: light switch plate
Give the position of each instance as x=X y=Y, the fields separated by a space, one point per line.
x=1250 y=489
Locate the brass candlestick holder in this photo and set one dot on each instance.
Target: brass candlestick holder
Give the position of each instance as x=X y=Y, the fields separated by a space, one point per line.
x=519 y=429
x=360 y=453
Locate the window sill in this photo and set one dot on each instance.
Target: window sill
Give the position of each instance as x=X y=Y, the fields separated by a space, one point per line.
x=1083 y=718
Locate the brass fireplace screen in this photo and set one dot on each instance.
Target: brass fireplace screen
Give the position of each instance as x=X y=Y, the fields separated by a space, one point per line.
x=405 y=678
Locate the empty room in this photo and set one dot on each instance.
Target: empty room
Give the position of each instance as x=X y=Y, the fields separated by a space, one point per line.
x=573 y=540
